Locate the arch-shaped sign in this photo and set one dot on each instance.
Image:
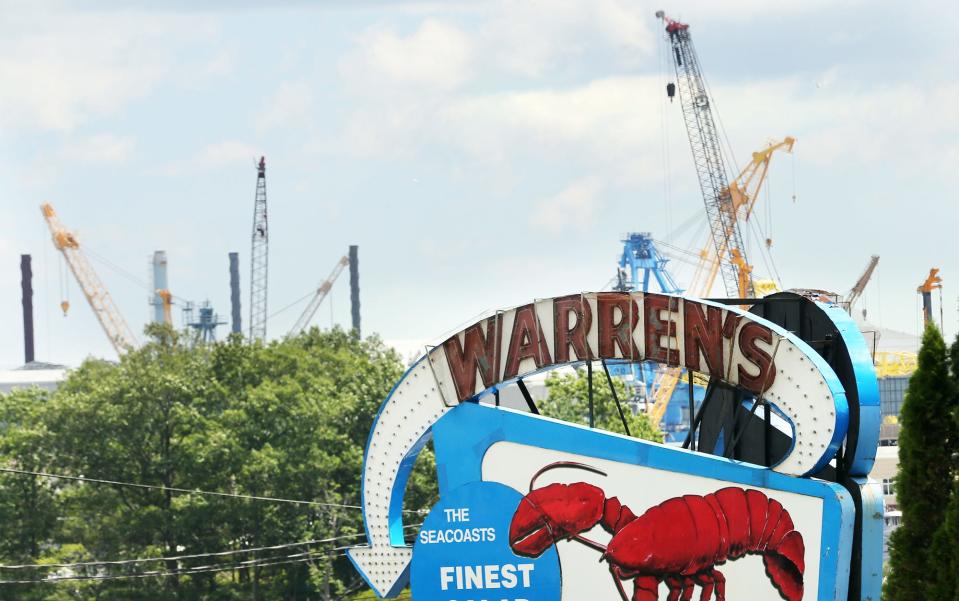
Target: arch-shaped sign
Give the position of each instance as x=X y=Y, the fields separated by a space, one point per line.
x=720 y=341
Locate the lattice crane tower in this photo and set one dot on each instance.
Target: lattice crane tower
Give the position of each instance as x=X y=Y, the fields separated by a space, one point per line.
x=708 y=157
x=259 y=257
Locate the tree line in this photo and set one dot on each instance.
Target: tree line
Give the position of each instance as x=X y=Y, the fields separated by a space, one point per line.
x=277 y=431
x=287 y=420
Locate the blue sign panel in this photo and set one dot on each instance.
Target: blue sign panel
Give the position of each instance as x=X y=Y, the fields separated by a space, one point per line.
x=462 y=552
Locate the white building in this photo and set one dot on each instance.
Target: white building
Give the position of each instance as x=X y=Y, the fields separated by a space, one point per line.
x=36 y=374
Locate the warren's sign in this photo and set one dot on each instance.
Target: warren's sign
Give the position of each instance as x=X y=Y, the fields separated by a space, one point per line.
x=723 y=342
x=727 y=343
x=609 y=325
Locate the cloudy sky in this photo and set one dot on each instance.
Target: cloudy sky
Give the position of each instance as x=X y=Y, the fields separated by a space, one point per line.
x=481 y=154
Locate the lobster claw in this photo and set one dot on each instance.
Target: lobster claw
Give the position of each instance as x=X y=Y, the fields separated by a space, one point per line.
x=553 y=513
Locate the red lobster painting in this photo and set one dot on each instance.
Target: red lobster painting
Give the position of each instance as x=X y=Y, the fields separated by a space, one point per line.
x=678 y=542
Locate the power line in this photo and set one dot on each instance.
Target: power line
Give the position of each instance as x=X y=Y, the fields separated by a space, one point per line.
x=299 y=558
x=177 y=490
x=194 y=556
x=176 y=557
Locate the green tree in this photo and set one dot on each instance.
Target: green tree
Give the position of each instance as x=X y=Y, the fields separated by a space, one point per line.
x=568 y=400
x=925 y=478
x=27 y=503
x=945 y=544
x=288 y=420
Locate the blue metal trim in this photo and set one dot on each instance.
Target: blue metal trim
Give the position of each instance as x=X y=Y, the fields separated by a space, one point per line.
x=463 y=436
x=873 y=530
x=867 y=387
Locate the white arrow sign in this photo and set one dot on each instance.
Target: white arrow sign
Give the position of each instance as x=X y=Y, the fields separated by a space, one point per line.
x=724 y=342
x=399 y=432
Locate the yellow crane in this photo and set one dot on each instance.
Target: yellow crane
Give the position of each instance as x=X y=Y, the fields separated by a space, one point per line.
x=115 y=327
x=743 y=192
x=932 y=282
x=167 y=299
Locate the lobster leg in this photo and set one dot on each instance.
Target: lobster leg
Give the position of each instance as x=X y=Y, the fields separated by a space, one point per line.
x=707 y=582
x=689 y=586
x=720 y=581
x=646 y=588
x=618 y=580
x=675 y=588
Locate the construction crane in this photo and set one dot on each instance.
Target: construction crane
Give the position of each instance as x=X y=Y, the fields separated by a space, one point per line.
x=933 y=281
x=113 y=324
x=259 y=257
x=321 y=292
x=727 y=203
x=856 y=291
x=743 y=192
x=641 y=255
x=708 y=159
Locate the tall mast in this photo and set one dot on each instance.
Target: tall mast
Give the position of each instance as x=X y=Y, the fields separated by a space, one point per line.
x=259 y=257
x=707 y=155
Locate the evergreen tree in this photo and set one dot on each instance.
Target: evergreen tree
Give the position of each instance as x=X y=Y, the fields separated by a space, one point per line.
x=945 y=547
x=925 y=479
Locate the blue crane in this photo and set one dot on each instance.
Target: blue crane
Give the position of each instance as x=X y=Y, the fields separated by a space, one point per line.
x=641 y=254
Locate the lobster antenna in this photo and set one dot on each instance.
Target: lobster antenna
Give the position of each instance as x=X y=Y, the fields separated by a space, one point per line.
x=556 y=464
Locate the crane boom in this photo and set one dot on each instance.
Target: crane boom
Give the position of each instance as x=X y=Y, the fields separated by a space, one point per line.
x=321 y=292
x=743 y=192
x=860 y=285
x=259 y=257
x=932 y=282
x=112 y=322
x=707 y=156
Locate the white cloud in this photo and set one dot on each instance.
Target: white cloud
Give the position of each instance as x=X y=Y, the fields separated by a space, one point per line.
x=575 y=207
x=224 y=153
x=291 y=104
x=605 y=122
x=99 y=149
x=533 y=38
x=213 y=156
x=436 y=56
x=70 y=67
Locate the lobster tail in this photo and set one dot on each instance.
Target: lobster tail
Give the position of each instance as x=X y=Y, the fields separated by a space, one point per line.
x=785 y=564
x=758 y=524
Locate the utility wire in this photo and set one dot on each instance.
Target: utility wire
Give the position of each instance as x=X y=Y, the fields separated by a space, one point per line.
x=176 y=490
x=176 y=557
x=261 y=562
x=300 y=557
x=194 y=556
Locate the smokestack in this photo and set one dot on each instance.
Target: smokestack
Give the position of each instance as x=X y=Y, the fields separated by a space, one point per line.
x=159 y=283
x=235 y=292
x=355 y=288
x=26 y=286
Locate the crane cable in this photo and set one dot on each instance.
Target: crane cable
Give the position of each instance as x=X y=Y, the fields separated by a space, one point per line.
x=663 y=57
